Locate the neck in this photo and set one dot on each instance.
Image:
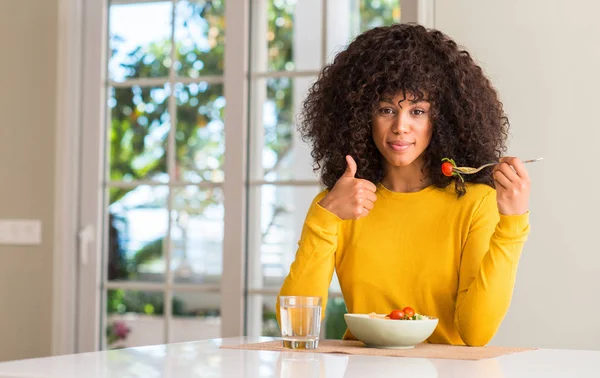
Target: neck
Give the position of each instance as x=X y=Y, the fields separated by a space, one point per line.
x=405 y=179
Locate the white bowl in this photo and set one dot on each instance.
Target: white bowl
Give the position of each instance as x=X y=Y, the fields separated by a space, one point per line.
x=389 y=333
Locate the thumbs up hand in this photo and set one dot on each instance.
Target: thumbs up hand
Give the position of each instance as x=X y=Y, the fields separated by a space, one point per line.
x=350 y=198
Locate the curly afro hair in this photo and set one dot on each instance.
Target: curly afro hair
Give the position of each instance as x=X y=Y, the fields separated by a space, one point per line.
x=469 y=124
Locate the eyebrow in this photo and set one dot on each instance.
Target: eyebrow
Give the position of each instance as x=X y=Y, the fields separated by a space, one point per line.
x=389 y=100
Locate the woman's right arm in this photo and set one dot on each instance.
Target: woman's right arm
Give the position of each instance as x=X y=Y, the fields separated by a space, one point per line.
x=311 y=272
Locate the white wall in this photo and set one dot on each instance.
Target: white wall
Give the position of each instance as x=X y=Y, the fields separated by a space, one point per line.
x=544 y=58
x=28 y=55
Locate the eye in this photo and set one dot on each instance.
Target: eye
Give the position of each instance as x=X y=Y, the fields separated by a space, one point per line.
x=386 y=111
x=418 y=112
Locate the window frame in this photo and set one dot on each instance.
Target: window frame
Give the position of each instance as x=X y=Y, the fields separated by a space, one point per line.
x=79 y=233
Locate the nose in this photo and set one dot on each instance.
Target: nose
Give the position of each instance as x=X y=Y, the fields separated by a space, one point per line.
x=401 y=125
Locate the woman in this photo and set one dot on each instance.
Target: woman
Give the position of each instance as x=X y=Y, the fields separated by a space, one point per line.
x=397 y=231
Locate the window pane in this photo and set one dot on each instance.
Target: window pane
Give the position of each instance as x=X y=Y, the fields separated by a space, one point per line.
x=139 y=40
x=284 y=32
x=262 y=320
x=374 y=13
x=135 y=318
x=200 y=37
x=277 y=214
x=137 y=137
x=197 y=235
x=196 y=316
x=334 y=324
x=138 y=220
x=348 y=18
x=200 y=132
x=277 y=150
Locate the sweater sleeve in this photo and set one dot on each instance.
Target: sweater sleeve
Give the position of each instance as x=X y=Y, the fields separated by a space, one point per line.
x=311 y=272
x=488 y=269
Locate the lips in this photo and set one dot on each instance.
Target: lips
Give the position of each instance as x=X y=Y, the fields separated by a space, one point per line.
x=400 y=145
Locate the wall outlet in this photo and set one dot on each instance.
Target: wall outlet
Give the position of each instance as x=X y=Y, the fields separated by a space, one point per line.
x=20 y=231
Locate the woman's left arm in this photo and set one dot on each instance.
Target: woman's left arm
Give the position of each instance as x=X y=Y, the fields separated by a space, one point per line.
x=489 y=260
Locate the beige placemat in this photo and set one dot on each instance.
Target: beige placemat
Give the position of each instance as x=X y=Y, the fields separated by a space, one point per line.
x=419 y=351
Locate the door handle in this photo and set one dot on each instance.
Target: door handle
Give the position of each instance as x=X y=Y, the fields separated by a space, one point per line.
x=86 y=236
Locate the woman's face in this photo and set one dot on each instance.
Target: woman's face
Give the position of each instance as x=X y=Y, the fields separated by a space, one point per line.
x=402 y=129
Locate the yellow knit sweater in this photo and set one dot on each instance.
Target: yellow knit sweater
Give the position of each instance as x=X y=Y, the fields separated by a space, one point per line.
x=451 y=258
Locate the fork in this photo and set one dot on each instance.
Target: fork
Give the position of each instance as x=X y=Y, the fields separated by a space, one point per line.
x=470 y=171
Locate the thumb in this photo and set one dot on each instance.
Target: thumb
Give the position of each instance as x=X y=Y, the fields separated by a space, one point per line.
x=351 y=169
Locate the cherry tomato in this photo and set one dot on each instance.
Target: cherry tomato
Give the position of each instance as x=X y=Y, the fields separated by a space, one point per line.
x=408 y=312
x=396 y=314
x=447 y=168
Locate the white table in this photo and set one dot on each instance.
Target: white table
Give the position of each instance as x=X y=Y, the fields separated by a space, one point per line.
x=206 y=359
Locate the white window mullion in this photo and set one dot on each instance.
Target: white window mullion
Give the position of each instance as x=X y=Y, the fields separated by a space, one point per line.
x=134 y=285
x=104 y=202
x=202 y=288
x=258 y=90
x=68 y=118
x=275 y=292
x=124 y=2
x=171 y=168
x=234 y=187
x=136 y=183
x=324 y=27
x=147 y=82
x=287 y=182
x=93 y=110
x=160 y=81
x=343 y=21
x=304 y=56
x=258 y=73
x=425 y=12
x=158 y=286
